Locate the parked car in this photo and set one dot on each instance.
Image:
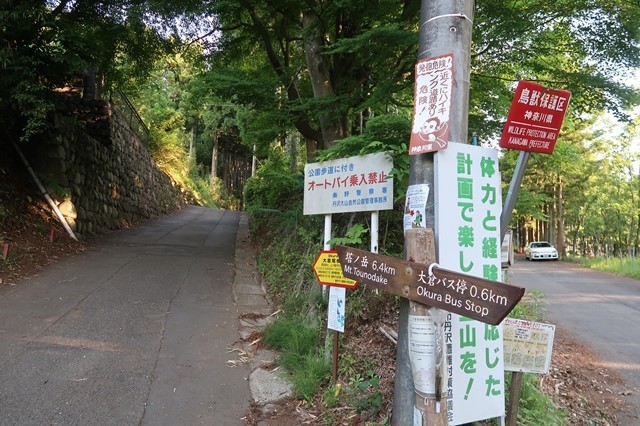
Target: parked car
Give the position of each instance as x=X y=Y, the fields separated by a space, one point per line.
x=540 y=250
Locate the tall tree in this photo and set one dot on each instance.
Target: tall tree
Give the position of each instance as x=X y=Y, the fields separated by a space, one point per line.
x=46 y=45
x=325 y=59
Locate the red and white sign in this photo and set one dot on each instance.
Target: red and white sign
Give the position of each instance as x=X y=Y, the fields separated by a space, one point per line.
x=432 y=104
x=353 y=184
x=535 y=118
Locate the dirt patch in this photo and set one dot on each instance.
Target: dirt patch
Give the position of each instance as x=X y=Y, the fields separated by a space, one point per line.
x=29 y=234
x=577 y=382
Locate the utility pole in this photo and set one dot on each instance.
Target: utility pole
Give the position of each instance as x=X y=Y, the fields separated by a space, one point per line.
x=445 y=28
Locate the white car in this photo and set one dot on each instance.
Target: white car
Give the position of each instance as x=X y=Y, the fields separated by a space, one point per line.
x=540 y=250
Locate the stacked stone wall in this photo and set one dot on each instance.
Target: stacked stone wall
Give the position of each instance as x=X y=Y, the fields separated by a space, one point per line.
x=104 y=183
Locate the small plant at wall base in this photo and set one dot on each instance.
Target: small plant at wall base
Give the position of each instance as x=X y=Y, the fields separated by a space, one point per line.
x=298 y=343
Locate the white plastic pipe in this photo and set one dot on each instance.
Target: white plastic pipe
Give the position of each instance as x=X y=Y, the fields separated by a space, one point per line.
x=53 y=205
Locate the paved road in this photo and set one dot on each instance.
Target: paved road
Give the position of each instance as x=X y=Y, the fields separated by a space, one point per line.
x=133 y=331
x=600 y=309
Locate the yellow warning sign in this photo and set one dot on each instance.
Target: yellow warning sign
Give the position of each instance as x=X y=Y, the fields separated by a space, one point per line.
x=329 y=271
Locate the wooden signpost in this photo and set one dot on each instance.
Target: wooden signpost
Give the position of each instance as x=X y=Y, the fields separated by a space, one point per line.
x=473 y=297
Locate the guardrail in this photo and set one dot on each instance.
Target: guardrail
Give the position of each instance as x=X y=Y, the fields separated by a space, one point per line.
x=124 y=105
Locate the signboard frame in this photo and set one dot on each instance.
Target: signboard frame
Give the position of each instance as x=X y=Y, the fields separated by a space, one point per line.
x=346 y=185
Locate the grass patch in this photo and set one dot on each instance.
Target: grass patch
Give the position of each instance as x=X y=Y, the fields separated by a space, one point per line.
x=535 y=408
x=626 y=266
x=298 y=343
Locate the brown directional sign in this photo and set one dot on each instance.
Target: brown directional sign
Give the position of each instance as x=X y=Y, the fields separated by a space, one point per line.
x=473 y=297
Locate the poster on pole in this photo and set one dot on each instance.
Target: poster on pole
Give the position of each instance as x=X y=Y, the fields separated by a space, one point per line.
x=535 y=118
x=415 y=207
x=468 y=205
x=431 y=104
x=353 y=184
x=422 y=353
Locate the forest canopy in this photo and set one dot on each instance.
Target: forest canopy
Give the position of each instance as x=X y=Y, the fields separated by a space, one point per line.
x=314 y=73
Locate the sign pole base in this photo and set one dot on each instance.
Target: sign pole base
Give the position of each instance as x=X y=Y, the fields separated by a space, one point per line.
x=514 y=398
x=336 y=341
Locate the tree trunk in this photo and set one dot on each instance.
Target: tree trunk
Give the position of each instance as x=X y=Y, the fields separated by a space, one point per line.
x=89 y=82
x=562 y=250
x=551 y=226
x=214 y=157
x=332 y=127
x=312 y=146
x=192 y=147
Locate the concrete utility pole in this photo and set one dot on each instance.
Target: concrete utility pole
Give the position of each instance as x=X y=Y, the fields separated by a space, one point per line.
x=445 y=28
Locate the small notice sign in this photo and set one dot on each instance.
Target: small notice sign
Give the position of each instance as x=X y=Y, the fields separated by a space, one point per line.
x=535 y=118
x=431 y=104
x=422 y=350
x=336 y=313
x=415 y=207
x=329 y=272
x=527 y=345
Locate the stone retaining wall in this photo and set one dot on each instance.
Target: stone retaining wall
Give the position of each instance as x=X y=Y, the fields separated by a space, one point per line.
x=107 y=183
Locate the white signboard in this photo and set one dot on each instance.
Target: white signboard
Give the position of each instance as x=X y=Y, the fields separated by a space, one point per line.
x=468 y=204
x=336 y=311
x=353 y=184
x=527 y=345
x=507 y=249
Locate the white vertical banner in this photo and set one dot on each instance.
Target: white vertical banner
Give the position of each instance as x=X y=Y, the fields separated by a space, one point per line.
x=468 y=205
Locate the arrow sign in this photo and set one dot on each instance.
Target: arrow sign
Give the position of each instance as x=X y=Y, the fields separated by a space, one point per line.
x=329 y=272
x=473 y=297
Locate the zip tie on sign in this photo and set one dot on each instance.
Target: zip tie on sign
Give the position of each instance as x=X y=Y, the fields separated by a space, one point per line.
x=450 y=15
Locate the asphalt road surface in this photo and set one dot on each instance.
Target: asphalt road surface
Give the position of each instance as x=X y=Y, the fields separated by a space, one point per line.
x=134 y=331
x=602 y=310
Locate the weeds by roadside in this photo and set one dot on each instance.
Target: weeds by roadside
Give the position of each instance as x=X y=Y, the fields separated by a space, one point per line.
x=626 y=266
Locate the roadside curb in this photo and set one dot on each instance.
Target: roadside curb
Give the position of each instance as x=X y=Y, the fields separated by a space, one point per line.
x=267 y=383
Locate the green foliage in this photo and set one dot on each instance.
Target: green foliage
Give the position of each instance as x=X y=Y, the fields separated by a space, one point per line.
x=353 y=237
x=367 y=388
x=384 y=133
x=46 y=47
x=292 y=334
x=366 y=52
x=298 y=343
x=221 y=196
x=625 y=266
x=530 y=307
x=361 y=392
x=534 y=406
x=273 y=186
x=309 y=375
